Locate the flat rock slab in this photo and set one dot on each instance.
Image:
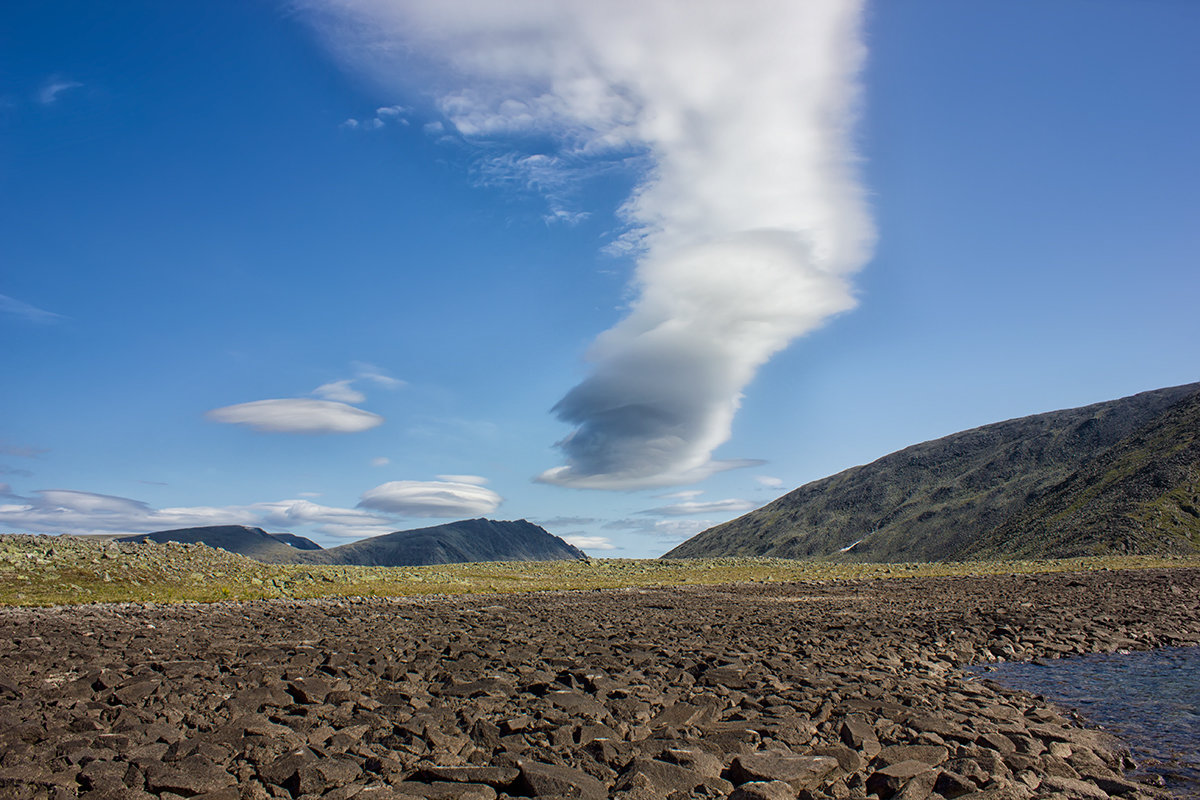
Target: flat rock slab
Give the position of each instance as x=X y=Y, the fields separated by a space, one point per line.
x=799 y=772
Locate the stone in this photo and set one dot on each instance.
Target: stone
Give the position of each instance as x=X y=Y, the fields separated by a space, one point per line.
x=888 y=781
x=1075 y=788
x=497 y=777
x=764 y=790
x=548 y=780
x=445 y=790
x=848 y=760
x=698 y=761
x=926 y=754
x=799 y=772
x=856 y=732
x=659 y=776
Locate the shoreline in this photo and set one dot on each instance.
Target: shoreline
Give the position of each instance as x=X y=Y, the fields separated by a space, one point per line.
x=846 y=688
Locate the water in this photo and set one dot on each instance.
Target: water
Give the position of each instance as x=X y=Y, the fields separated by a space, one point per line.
x=1150 y=699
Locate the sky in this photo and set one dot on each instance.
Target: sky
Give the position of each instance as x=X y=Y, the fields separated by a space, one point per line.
x=624 y=269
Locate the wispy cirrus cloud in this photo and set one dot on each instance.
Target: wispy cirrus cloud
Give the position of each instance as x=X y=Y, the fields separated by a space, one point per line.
x=13 y=307
x=51 y=89
x=669 y=530
x=730 y=506
x=444 y=498
x=22 y=450
x=747 y=220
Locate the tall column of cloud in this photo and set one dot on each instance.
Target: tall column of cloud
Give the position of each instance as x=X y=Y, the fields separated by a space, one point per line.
x=748 y=221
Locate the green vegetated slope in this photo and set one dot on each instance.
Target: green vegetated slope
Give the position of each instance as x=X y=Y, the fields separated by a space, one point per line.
x=1140 y=496
x=1119 y=476
x=455 y=542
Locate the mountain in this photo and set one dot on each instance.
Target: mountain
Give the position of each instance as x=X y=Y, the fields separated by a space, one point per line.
x=1115 y=477
x=298 y=542
x=251 y=542
x=456 y=542
x=469 y=540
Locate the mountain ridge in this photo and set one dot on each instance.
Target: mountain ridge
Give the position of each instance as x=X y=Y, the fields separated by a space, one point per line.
x=450 y=543
x=950 y=498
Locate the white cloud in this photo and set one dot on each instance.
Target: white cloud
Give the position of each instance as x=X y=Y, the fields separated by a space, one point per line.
x=22 y=310
x=431 y=499
x=685 y=494
x=474 y=480
x=343 y=522
x=590 y=542
x=79 y=512
x=50 y=91
x=709 y=507
x=748 y=220
x=666 y=529
x=370 y=372
x=72 y=511
x=769 y=481
x=380 y=461
x=383 y=116
x=296 y=415
x=560 y=522
x=340 y=391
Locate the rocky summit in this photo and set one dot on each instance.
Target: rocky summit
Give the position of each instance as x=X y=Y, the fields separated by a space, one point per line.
x=842 y=689
x=1121 y=477
x=452 y=543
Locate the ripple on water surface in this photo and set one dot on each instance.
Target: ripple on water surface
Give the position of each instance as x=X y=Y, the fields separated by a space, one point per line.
x=1150 y=699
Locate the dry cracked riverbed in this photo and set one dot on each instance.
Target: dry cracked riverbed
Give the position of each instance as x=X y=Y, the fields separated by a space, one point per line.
x=819 y=689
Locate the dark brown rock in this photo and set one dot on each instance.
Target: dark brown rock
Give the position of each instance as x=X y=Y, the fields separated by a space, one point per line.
x=547 y=780
x=799 y=772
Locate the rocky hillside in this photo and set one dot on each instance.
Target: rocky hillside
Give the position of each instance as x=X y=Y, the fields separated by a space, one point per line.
x=1115 y=477
x=241 y=539
x=456 y=542
x=453 y=543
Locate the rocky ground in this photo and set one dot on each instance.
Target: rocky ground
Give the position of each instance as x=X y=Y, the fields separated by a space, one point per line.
x=810 y=689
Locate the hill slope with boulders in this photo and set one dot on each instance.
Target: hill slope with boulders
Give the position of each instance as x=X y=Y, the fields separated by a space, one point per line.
x=241 y=539
x=1116 y=477
x=452 y=543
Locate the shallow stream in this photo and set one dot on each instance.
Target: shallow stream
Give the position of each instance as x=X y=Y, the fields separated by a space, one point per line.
x=1150 y=699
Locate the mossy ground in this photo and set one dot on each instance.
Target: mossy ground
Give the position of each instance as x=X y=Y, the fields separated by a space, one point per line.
x=54 y=570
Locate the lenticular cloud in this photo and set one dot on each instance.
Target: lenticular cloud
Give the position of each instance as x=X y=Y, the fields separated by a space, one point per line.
x=748 y=219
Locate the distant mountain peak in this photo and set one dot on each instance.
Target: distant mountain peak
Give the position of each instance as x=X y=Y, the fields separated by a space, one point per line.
x=454 y=542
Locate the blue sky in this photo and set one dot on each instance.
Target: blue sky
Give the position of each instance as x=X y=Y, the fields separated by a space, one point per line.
x=342 y=267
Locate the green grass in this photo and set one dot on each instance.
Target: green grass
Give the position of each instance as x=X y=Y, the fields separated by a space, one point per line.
x=42 y=571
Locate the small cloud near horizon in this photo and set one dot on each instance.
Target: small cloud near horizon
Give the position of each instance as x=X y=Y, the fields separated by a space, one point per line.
x=586 y=543
x=80 y=512
x=708 y=507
